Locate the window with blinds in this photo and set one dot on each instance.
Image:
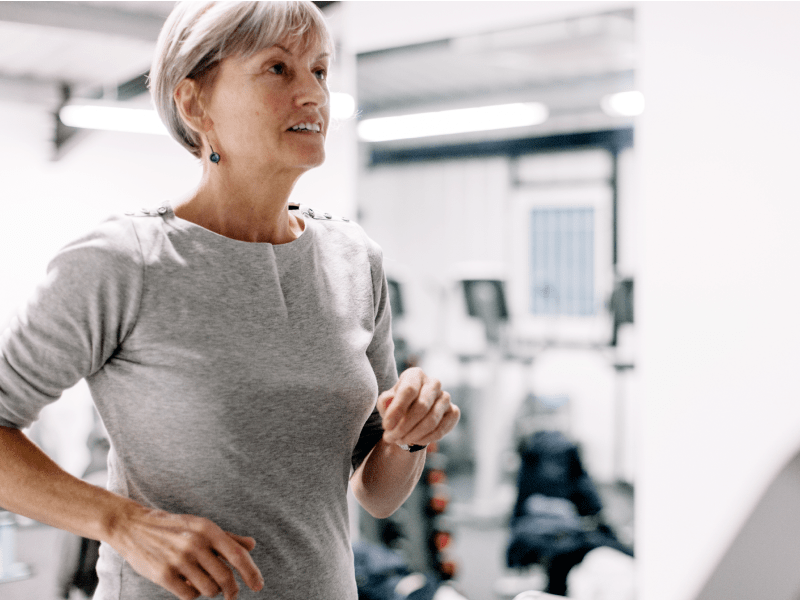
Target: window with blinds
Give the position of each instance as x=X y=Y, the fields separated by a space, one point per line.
x=562 y=259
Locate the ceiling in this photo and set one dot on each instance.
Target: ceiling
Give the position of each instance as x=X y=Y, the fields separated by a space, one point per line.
x=569 y=65
x=86 y=49
x=511 y=62
x=87 y=46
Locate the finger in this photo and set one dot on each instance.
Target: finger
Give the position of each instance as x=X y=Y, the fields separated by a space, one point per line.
x=245 y=541
x=406 y=391
x=416 y=411
x=239 y=558
x=446 y=425
x=384 y=400
x=197 y=577
x=429 y=422
x=222 y=575
x=420 y=409
x=179 y=587
x=197 y=563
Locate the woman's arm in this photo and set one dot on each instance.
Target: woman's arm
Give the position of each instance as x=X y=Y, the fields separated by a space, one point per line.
x=415 y=411
x=386 y=478
x=181 y=553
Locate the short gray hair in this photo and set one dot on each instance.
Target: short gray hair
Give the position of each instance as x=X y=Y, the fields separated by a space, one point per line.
x=197 y=36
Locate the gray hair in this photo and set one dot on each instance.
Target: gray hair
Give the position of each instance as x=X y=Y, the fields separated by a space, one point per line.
x=197 y=36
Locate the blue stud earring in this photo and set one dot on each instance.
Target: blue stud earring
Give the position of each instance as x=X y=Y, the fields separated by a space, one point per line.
x=214 y=156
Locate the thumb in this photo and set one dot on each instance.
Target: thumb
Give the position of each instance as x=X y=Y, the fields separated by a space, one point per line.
x=384 y=400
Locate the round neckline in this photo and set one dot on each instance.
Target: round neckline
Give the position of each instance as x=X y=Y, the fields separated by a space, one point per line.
x=185 y=225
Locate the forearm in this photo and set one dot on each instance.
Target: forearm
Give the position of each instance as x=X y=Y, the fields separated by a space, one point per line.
x=32 y=485
x=386 y=478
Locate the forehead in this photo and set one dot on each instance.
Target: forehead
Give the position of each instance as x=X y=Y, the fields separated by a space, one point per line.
x=311 y=47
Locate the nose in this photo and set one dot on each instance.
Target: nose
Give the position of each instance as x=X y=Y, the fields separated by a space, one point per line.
x=311 y=90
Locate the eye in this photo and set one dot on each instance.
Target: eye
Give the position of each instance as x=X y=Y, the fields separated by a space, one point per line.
x=322 y=74
x=278 y=69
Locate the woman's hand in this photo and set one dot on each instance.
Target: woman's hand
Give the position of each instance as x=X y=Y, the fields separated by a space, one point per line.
x=416 y=410
x=188 y=556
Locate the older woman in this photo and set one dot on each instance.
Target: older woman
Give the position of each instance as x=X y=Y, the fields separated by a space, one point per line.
x=235 y=345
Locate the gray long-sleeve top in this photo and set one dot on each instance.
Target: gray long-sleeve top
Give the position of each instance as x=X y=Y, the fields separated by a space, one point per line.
x=234 y=380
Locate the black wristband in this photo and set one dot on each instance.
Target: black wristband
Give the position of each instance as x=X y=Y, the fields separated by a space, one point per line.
x=412 y=447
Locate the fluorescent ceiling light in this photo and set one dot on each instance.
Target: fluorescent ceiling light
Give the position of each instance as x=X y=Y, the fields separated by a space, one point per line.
x=141 y=120
x=112 y=118
x=446 y=122
x=623 y=104
x=343 y=106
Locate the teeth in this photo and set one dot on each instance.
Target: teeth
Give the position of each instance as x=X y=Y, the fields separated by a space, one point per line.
x=306 y=127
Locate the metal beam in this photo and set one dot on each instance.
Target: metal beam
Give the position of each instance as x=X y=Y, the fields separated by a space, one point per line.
x=64 y=137
x=612 y=139
x=83 y=17
x=29 y=90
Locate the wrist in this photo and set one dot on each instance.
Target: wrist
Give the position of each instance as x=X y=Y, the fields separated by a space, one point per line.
x=117 y=519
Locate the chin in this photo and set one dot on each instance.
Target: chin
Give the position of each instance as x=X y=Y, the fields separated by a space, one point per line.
x=314 y=162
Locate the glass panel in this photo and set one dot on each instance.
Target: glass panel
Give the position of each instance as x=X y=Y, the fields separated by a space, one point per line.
x=562 y=261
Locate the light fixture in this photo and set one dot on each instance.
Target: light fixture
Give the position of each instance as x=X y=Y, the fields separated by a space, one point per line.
x=447 y=122
x=111 y=118
x=623 y=104
x=343 y=106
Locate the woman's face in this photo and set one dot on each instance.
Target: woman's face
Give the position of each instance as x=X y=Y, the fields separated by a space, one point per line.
x=270 y=112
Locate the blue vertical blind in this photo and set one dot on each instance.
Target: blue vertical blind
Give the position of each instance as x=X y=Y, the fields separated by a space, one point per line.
x=562 y=261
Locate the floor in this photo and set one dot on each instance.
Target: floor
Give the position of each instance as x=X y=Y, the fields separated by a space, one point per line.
x=480 y=543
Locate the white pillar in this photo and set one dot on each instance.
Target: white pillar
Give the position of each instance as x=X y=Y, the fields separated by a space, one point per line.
x=718 y=295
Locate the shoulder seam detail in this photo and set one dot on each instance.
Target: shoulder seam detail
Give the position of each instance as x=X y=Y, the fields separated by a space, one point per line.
x=141 y=287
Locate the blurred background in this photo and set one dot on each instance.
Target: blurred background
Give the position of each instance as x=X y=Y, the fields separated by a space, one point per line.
x=592 y=243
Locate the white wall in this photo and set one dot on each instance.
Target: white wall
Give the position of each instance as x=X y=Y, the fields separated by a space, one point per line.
x=719 y=293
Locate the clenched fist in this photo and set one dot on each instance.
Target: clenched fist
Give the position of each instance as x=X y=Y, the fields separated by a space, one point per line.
x=416 y=410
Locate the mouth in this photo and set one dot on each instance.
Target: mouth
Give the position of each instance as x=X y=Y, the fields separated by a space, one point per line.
x=306 y=128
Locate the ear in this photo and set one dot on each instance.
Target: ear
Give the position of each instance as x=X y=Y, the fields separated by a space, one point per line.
x=188 y=100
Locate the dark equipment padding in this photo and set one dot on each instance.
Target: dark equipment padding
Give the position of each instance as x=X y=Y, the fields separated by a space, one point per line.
x=554 y=492
x=551 y=466
x=379 y=569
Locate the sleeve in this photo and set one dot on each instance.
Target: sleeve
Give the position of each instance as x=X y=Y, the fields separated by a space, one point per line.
x=74 y=321
x=380 y=353
x=381 y=350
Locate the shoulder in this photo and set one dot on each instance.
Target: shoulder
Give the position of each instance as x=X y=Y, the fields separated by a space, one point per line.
x=121 y=241
x=343 y=230
x=113 y=240
x=100 y=273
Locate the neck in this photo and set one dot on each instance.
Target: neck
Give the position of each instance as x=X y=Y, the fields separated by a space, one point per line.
x=243 y=207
